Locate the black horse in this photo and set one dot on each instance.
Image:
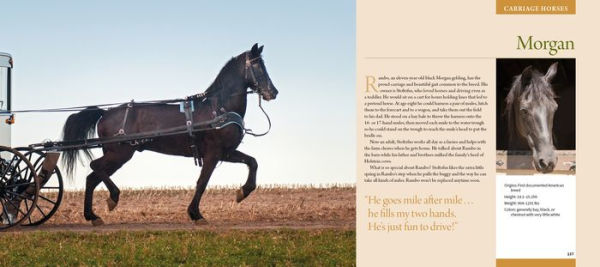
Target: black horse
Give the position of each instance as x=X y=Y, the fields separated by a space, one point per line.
x=226 y=94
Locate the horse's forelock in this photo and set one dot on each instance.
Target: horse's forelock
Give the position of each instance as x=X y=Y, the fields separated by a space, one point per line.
x=538 y=90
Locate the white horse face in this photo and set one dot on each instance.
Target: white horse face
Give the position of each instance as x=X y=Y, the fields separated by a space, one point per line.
x=535 y=116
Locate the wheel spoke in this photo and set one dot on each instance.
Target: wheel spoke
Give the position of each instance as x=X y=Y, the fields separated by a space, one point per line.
x=27 y=207
x=38 y=207
x=38 y=168
x=4 y=174
x=44 y=198
x=17 y=173
x=18 y=208
x=4 y=209
x=20 y=184
x=18 y=194
x=25 y=169
x=9 y=165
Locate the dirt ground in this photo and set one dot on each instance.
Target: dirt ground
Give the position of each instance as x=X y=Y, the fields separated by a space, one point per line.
x=165 y=209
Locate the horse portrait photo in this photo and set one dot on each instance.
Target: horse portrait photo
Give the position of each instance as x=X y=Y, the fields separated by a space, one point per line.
x=536 y=114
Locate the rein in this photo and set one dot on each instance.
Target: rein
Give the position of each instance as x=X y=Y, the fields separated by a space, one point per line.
x=80 y=108
x=151 y=102
x=249 y=131
x=248 y=72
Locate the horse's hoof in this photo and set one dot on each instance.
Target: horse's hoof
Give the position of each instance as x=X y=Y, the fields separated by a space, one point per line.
x=111 y=204
x=239 y=195
x=201 y=221
x=97 y=222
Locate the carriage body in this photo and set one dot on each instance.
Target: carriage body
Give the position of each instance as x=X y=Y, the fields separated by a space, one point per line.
x=5 y=97
x=25 y=174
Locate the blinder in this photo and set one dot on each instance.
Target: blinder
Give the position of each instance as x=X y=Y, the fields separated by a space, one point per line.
x=251 y=69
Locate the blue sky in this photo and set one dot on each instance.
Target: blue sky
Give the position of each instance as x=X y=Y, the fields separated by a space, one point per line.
x=79 y=53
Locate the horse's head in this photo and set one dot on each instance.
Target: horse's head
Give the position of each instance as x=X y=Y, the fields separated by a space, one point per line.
x=256 y=75
x=534 y=106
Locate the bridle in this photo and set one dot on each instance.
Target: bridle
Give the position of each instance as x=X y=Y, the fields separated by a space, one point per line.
x=249 y=68
x=250 y=64
x=249 y=72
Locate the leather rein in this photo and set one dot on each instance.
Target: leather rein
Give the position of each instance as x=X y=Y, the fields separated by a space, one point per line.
x=249 y=72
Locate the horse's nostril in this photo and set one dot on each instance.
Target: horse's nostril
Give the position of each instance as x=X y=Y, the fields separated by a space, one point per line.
x=542 y=164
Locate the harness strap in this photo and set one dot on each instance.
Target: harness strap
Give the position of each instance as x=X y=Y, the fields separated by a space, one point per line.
x=248 y=69
x=122 y=130
x=188 y=109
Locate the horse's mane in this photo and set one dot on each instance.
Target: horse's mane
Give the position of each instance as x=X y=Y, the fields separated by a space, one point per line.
x=537 y=89
x=230 y=66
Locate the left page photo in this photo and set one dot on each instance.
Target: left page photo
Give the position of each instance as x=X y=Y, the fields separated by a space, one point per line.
x=178 y=133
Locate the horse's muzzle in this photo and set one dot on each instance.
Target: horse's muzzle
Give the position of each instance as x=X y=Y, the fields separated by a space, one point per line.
x=545 y=164
x=270 y=94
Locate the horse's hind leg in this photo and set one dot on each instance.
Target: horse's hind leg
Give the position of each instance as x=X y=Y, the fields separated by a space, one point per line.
x=90 y=184
x=239 y=157
x=106 y=166
x=102 y=168
x=92 y=181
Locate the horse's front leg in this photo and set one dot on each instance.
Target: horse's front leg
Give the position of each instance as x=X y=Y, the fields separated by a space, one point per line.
x=210 y=162
x=239 y=157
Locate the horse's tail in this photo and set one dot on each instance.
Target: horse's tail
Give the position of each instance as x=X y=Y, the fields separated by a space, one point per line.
x=79 y=126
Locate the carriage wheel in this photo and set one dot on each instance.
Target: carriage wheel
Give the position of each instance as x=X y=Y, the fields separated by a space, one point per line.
x=51 y=190
x=18 y=188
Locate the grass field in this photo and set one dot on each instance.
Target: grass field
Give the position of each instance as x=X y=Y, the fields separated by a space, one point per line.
x=281 y=247
x=275 y=226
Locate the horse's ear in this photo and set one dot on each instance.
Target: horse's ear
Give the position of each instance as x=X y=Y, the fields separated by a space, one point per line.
x=551 y=72
x=526 y=76
x=260 y=49
x=254 y=50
